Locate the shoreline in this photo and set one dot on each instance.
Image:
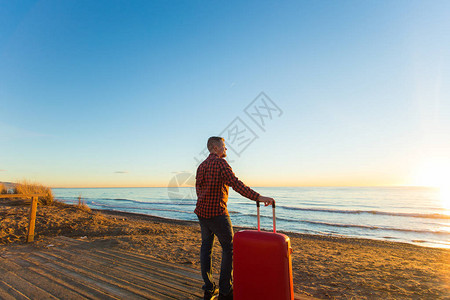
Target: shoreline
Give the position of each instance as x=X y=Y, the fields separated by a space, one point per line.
x=288 y=233
x=139 y=216
x=323 y=266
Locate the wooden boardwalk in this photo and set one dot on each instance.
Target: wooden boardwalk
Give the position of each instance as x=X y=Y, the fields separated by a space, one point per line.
x=74 y=271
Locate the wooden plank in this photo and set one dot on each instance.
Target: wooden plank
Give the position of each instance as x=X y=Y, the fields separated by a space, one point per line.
x=25 y=287
x=22 y=269
x=7 y=292
x=100 y=277
x=161 y=279
x=70 y=281
x=32 y=218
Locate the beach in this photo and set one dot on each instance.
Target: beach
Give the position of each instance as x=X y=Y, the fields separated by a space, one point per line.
x=323 y=266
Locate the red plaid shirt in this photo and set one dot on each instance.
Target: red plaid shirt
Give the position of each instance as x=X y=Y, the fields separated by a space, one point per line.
x=214 y=176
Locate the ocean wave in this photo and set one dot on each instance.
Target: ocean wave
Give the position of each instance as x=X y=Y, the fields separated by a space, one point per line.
x=97 y=200
x=123 y=208
x=360 y=226
x=168 y=201
x=373 y=212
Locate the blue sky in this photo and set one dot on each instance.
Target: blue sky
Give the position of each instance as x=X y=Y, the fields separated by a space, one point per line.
x=126 y=93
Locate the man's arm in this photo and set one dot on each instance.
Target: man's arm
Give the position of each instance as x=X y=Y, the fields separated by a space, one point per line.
x=241 y=188
x=199 y=181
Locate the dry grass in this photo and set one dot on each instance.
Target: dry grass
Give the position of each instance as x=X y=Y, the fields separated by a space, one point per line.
x=3 y=189
x=26 y=187
x=82 y=205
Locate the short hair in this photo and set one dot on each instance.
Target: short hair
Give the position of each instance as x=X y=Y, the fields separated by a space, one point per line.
x=214 y=141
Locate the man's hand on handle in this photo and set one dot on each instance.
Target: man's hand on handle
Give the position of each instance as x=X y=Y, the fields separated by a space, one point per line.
x=266 y=200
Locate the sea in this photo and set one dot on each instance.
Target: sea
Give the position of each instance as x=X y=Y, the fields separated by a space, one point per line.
x=416 y=215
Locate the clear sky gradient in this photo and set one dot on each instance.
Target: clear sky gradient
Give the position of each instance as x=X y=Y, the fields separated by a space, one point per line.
x=126 y=93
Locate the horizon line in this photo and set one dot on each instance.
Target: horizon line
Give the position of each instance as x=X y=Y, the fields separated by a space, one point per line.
x=256 y=186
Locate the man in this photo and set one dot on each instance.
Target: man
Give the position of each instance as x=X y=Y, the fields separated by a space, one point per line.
x=214 y=176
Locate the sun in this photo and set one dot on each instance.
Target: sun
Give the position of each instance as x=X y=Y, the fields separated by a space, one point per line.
x=445 y=197
x=436 y=173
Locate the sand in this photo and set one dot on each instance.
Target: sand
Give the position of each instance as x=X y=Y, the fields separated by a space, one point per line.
x=324 y=267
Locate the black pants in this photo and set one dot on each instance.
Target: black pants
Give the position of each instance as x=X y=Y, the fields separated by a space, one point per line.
x=221 y=227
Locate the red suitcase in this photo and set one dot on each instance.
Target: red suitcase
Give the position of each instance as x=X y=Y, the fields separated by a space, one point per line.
x=259 y=255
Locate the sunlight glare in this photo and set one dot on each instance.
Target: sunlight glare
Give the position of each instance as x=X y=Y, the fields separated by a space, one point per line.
x=444 y=193
x=436 y=173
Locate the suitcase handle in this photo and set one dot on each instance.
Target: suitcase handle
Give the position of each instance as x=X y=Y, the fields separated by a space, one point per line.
x=273 y=212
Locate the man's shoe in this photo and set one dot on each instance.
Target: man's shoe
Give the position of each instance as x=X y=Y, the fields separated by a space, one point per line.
x=226 y=297
x=208 y=295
